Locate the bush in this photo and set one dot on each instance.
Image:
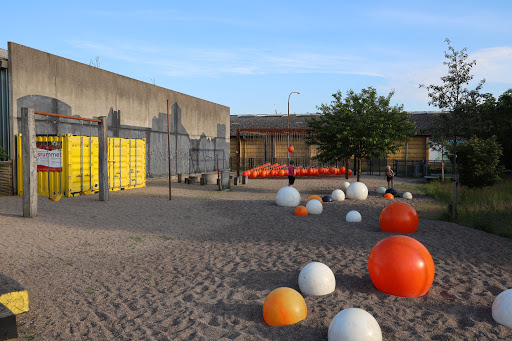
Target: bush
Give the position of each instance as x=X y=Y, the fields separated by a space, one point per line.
x=478 y=162
x=3 y=154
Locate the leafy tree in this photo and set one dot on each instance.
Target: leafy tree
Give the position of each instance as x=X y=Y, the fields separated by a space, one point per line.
x=478 y=161
x=496 y=119
x=460 y=102
x=363 y=125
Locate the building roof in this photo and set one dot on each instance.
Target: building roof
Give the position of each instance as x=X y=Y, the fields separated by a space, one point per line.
x=4 y=54
x=424 y=121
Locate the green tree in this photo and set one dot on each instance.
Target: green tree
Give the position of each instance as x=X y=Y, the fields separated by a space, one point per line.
x=452 y=95
x=363 y=125
x=479 y=162
x=496 y=119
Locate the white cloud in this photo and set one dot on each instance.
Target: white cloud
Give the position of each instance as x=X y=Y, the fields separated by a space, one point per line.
x=493 y=64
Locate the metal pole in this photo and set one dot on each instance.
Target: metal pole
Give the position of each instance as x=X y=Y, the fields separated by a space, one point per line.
x=237 y=152
x=218 y=172
x=103 y=159
x=169 y=147
x=293 y=92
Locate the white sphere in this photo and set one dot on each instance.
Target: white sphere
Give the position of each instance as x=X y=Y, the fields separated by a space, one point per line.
x=502 y=308
x=354 y=324
x=381 y=190
x=314 y=207
x=316 y=279
x=407 y=195
x=288 y=197
x=353 y=217
x=338 y=195
x=357 y=191
x=344 y=185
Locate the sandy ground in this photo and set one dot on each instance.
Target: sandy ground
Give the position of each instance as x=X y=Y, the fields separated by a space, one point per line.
x=141 y=267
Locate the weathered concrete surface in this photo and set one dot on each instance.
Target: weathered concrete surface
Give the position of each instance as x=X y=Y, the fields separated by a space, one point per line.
x=8 y=328
x=13 y=295
x=45 y=82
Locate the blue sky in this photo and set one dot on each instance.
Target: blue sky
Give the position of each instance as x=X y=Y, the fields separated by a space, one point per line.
x=251 y=55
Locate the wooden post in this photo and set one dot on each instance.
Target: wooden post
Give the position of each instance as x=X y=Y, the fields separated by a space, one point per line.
x=28 y=133
x=103 y=158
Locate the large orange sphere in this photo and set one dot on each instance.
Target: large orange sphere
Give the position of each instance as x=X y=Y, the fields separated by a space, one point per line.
x=401 y=266
x=263 y=174
x=342 y=170
x=255 y=174
x=301 y=211
x=332 y=170
x=398 y=217
x=281 y=172
x=304 y=171
x=291 y=149
x=245 y=173
x=315 y=197
x=350 y=172
x=388 y=196
x=284 y=306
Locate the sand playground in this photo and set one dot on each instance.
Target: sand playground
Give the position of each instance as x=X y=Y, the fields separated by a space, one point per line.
x=198 y=267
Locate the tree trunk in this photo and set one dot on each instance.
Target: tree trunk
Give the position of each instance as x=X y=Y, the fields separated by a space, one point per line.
x=455 y=182
x=346 y=168
x=358 y=169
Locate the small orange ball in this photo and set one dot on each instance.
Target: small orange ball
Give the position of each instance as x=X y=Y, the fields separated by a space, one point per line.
x=281 y=172
x=342 y=170
x=398 y=217
x=291 y=149
x=284 y=306
x=388 y=196
x=255 y=174
x=315 y=197
x=301 y=211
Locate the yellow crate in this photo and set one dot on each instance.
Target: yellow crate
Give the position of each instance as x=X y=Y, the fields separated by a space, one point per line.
x=80 y=168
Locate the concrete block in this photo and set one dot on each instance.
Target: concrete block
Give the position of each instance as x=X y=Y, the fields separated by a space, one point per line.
x=13 y=295
x=245 y=179
x=179 y=177
x=8 y=328
x=202 y=181
x=235 y=180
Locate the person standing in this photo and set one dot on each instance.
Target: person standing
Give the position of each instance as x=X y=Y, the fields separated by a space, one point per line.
x=291 y=173
x=389 y=176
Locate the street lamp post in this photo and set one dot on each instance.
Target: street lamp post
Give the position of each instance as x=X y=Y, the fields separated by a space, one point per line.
x=293 y=92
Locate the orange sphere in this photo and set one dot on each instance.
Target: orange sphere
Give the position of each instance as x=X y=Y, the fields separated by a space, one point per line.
x=388 y=196
x=284 y=306
x=332 y=170
x=301 y=211
x=401 y=266
x=291 y=149
x=304 y=171
x=350 y=172
x=255 y=174
x=315 y=197
x=281 y=172
x=263 y=174
x=398 y=217
x=245 y=173
x=342 y=170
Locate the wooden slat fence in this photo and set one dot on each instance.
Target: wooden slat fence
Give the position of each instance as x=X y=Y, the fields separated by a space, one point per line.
x=6 y=182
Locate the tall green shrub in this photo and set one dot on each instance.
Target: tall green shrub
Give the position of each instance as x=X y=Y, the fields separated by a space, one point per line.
x=478 y=161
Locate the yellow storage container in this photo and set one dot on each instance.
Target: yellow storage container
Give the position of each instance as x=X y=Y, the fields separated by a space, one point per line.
x=68 y=165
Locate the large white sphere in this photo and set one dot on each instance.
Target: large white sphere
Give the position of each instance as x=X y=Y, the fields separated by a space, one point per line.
x=338 y=195
x=316 y=279
x=354 y=324
x=407 y=195
x=344 y=185
x=353 y=217
x=288 y=197
x=381 y=190
x=502 y=308
x=357 y=191
x=314 y=207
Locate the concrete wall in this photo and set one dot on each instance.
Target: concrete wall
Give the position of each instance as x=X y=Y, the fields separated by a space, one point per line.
x=45 y=82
